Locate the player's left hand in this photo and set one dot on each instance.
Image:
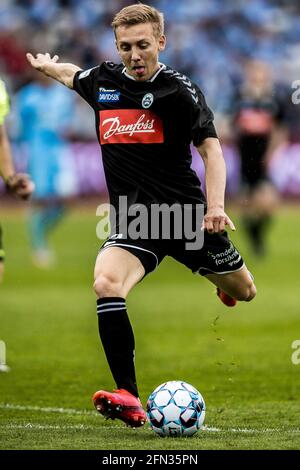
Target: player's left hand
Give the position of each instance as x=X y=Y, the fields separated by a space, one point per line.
x=21 y=185
x=215 y=221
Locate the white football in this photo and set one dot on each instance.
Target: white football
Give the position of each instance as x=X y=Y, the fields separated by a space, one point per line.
x=175 y=408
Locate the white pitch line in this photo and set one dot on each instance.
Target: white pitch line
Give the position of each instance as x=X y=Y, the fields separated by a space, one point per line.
x=46 y=426
x=251 y=431
x=72 y=411
x=82 y=427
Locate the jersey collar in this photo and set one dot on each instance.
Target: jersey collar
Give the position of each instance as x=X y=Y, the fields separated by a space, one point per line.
x=162 y=67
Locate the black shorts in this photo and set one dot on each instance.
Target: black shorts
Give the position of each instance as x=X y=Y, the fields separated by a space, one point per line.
x=218 y=254
x=252 y=150
x=2 y=254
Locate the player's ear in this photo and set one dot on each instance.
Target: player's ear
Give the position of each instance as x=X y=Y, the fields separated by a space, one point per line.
x=116 y=40
x=162 y=43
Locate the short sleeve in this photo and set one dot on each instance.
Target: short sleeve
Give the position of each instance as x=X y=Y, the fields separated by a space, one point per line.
x=4 y=102
x=84 y=84
x=199 y=115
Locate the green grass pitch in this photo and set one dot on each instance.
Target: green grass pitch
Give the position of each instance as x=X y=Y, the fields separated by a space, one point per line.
x=239 y=359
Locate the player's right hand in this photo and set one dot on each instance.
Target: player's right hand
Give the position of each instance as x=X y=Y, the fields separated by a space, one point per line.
x=40 y=60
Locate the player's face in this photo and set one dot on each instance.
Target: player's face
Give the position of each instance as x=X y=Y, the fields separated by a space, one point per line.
x=139 y=48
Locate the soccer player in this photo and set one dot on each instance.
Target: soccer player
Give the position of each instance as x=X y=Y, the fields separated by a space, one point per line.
x=258 y=113
x=16 y=183
x=147 y=114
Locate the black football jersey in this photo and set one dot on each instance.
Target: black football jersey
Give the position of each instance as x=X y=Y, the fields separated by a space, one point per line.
x=256 y=115
x=145 y=130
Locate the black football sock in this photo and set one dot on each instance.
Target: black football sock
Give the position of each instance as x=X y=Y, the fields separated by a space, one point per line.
x=118 y=341
x=256 y=228
x=255 y=234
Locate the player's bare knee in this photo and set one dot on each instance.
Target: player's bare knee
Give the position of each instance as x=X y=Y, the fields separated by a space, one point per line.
x=246 y=293
x=107 y=286
x=251 y=293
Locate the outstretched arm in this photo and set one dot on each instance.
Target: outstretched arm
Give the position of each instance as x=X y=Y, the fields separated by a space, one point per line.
x=215 y=177
x=63 y=73
x=6 y=164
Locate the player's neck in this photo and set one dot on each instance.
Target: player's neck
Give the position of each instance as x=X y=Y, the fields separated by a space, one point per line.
x=158 y=69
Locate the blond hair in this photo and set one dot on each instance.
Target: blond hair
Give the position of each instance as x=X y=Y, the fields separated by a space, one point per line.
x=140 y=13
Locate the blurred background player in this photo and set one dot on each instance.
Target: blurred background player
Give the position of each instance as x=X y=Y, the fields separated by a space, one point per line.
x=45 y=109
x=258 y=113
x=17 y=183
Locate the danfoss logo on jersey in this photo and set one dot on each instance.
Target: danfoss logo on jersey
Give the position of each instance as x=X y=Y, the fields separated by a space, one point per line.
x=130 y=126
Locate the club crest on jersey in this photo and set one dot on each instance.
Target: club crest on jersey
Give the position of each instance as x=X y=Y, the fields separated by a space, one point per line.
x=107 y=96
x=147 y=100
